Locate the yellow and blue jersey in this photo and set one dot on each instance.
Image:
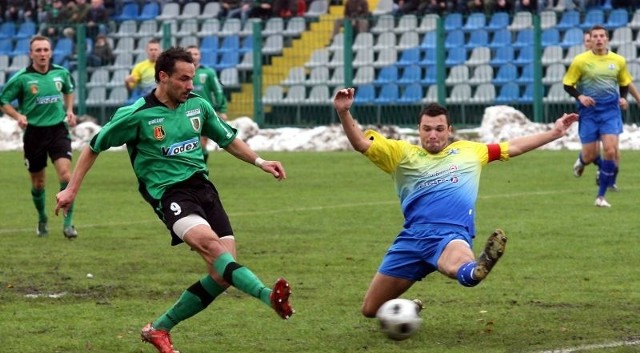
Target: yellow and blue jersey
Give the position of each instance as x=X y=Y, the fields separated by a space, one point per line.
x=598 y=76
x=437 y=188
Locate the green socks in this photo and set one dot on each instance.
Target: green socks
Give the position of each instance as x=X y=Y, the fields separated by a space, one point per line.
x=68 y=219
x=241 y=278
x=39 y=197
x=192 y=301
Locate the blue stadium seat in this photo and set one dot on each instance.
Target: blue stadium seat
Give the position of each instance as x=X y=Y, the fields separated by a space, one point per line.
x=228 y=59
x=149 y=11
x=550 y=37
x=592 y=18
x=365 y=94
x=411 y=94
x=429 y=41
x=389 y=93
x=525 y=56
x=501 y=38
x=230 y=43
x=388 y=74
x=527 y=95
x=410 y=74
x=456 y=56
x=6 y=46
x=408 y=57
x=453 y=21
x=524 y=38
x=506 y=73
x=247 y=45
x=478 y=38
x=454 y=39
x=503 y=56
x=26 y=29
x=572 y=37
x=429 y=58
x=129 y=11
x=475 y=21
x=617 y=18
x=569 y=19
x=430 y=75
x=7 y=29
x=509 y=93
x=209 y=45
x=499 y=20
x=20 y=47
x=527 y=75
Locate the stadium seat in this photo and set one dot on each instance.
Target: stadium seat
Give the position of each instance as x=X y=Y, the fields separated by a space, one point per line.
x=246 y=63
x=20 y=47
x=319 y=75
x=592 y=17
x=337 y=59
x=479 y=56
x=210 y=10
x=230 y=43
x=503 y=56
x=273 y=95
x=408 y=57
x=96 y=96
x=456 y=56
x=129 y=11
x=228 y=59
x=7 y=29
x=18 y=62
x=337 y=42
x=337 y=78
x=317 y=8
x=386 y=57
x=527 y=75
x=319 y=94
x=634 y=23
x=210 y=27
x=548 y=19
x=363 y=40
x=457 y=74
x=191 y=10
x=187 y=28
x=406 y=23
x=506 y=73
x=509 y=93
x=383 y=7
x=524 y=38
x=297 y=75
x=411 y=94
x=149 y=11
x=572 y=37
x=485 y=93
x=170 y=11
x=521 y=20
x=454 y=39
x=365 y=94
x=247 y=45
x=273 y=25
x=572 y=52
x=384 y=23
x=385 y=41
x=432 y=94
x=209 y=45
x=27 y=29
x=319 y=57
x=429 y=41
x=428 y=23
x=117 y=77
x=460 y=93
x=430 y=58
x=501 y=38
x=125 y=45
x=363 y=57
x=628 y=51
x=549 y=37
x=617 y=18
x=621 y=36
x=557 y=94
x=389 y=93
x=295 y=95
x=430 y=76
x=6 y=46
x=230 y=27
x=147 y=28
x=527 y=95
x=525 y=56
x=499 y=20
x=295 y=27
x=408 y=39
x=475 y=21
x=387 y=74
x=569 y=19
x=554 y=73
x=481 y=74
x=118 y=96
x=477 y=38
x=99 y=77
x=364 y=74
x=453 y=21
x=552 y=54
x=410 y=74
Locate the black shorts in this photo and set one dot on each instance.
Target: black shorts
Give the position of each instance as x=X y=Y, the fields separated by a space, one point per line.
x=196 y=195
x=40 y=141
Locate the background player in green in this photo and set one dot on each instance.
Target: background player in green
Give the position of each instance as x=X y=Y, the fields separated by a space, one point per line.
x=45 y=98
x=162 y=132
x=207 y=85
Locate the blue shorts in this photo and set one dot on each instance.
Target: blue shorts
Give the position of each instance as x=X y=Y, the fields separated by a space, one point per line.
x=601 y=119
x=415 y=252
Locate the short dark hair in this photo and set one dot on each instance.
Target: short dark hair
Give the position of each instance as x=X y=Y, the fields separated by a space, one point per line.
x=433 y=110
x=167 y=60
x=37 y=38
x=599 y=27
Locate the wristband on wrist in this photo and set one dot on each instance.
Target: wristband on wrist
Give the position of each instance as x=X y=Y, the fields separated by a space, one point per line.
x=258 y=162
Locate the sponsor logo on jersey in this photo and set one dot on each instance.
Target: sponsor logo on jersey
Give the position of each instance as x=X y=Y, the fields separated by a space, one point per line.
x=155 y=121
x=158 y=132
x=47 y=99
x=192 y=112
x=181 y=147
x=195 y=123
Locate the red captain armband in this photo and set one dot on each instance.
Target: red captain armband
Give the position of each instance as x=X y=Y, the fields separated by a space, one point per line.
x=494 y=152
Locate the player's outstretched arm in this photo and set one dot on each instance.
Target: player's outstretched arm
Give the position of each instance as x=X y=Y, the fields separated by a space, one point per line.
x=525 y=144
x=242 y=151
x=65 y=198
x=342 y=103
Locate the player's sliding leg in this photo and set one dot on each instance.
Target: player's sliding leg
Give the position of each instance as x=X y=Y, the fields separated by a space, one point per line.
x=471 y=273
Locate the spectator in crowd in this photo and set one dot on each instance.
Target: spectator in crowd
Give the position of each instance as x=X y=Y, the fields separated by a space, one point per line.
x=43 y=8
x=406 y=7
x=97 y=19
x=235 y=9
x=439 y=7
x=262 y=9
x=358 y=12
x=101 y=54
x=528 y=5
x=289 y=8
x=18 y=11
x=142 y=79
x=492 y=6
x=57 y=18
x=79 y=12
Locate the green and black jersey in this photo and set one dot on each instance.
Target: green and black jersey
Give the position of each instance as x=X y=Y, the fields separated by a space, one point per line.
x=39 y=95
x=206 y=84
x=164 y=144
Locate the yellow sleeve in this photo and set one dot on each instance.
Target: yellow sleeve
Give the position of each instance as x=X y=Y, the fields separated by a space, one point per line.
x=386 y=154
x=574 y=72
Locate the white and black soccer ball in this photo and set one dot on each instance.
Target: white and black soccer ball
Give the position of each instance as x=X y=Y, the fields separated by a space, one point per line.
x=399 y=318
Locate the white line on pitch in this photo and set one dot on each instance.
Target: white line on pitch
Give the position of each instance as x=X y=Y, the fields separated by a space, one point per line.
x=591 y=347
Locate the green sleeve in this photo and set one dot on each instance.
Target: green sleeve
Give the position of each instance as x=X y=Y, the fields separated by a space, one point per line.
x=218 y=92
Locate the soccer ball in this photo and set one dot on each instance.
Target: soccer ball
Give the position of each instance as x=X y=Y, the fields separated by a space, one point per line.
x=399 y=318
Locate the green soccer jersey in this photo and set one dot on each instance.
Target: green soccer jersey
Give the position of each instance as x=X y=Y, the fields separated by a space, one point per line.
x=164 y=144
x=206 y=84
x=40 y=96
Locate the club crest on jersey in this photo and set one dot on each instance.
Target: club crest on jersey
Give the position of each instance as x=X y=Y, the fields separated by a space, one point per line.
x=34 y=89
x=612 y=67
x=195 y=123
x=202 y=78
x=59 y=86
x=158 y=132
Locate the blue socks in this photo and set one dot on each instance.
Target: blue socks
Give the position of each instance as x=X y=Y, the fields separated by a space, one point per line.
x=465 y=275
x=607 y=175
